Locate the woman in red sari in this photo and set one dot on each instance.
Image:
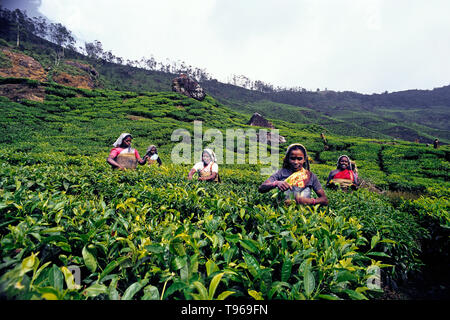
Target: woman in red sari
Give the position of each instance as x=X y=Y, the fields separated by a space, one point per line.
x=344 y=175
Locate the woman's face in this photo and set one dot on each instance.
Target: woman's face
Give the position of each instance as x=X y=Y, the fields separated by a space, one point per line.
x=126 y=142
x=343 y=163
x=206 y=158
x=296 y=159
x=153 y=150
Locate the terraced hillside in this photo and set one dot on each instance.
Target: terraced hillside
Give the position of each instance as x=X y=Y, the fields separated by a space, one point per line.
x=153 y=234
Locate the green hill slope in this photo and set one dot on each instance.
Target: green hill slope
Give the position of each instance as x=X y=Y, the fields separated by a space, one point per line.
x=408 y=115
x=61 y=205
x=150 y=233
x=85 y=122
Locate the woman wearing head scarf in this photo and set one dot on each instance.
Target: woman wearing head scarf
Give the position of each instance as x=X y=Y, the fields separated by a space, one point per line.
x=122 y=156
x=207 y=169
x=344 y=175
x=153 y=156
x=295 y=179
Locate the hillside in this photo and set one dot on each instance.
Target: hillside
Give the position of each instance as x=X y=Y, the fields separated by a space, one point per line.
x=34 y=112
x=332 y=111
x=62 y=205
x=152 y=234
x=408 y=115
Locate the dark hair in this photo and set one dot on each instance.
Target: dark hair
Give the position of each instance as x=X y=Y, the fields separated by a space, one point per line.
x=286 y=164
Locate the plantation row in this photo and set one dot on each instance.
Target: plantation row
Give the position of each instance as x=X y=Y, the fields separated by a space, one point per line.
x=83 y=118
x=151 y=234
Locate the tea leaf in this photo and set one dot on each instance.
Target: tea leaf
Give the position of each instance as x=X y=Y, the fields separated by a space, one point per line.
x=213 y=285
x=255 y=294
x=89 y=259
x=95 y=289
x=286 y=269
x=309 y=281
x=225 y=294
x=133 y=289
x=250 y=245
x=70 y=280
x=150 y=293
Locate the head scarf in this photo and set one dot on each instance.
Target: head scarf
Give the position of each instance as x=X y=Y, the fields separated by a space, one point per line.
x=119 y=140
x=211 y=154
x=286 y=156
x=150 y=148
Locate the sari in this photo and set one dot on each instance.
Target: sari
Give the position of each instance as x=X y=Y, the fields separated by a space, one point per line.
x=298 y=181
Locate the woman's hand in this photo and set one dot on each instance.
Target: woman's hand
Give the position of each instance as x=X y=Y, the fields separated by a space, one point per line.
x=303 y=200
x=322 y=199
x=211 y=177
x=282 y=185
x=191 y=174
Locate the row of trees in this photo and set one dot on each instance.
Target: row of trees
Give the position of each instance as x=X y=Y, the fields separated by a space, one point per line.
x=16 y=24
x=94 y=50
x=23 y=27
x=258 y=85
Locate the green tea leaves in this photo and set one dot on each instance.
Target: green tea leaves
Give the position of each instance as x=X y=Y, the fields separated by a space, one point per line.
x=89 y=260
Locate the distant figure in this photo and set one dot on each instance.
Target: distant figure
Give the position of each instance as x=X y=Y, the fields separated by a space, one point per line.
x=207 y=169
x=295 y=179
x=345 y=175
x=325 y=142
x=153 y=156
x=122 y=156
x=436 y=143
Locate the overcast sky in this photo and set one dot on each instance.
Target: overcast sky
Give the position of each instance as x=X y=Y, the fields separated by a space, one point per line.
x=367 y=46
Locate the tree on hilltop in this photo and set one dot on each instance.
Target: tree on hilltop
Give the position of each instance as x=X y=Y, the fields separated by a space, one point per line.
x=63 y=37
x=41 y=27
x=18 y=24
x=94 y=50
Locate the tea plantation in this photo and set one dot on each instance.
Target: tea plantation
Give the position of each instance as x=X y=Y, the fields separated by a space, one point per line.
x=153 y=234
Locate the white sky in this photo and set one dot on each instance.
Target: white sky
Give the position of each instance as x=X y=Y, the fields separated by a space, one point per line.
x=367 y=46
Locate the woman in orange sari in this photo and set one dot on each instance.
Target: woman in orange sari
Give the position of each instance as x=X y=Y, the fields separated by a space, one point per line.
x=207 y=169
x=295 y=179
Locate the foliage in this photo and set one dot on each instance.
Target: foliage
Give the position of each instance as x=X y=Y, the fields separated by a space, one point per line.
x=5 y=62
x=150 y=234
x=409 y=115
x=437 y=208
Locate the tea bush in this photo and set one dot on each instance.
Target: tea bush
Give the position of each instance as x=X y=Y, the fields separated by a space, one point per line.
x=152 y=226
x=151 y=234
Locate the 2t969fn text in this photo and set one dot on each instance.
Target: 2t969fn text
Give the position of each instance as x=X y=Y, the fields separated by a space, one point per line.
x=246 y=309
